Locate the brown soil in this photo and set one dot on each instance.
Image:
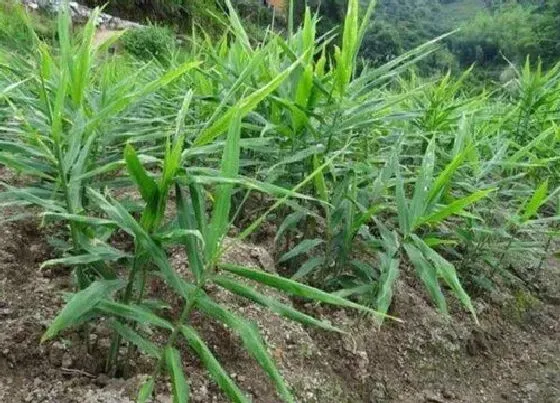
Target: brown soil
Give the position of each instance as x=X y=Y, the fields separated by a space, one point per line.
x=513 y=356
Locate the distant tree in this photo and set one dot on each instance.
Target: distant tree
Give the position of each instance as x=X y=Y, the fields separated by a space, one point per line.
x=513 y=32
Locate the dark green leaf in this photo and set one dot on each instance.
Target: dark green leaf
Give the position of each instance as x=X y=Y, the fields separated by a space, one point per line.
x=175 y=369
x=304 y=246
x=213 y=366
x=251 y=339
x=273 y=304
x=293 y=287
x=307 y=267
x=80 y=304
x=142 y=343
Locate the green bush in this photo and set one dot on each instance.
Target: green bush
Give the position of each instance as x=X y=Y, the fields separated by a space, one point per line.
x=489 y=37
x=151 y=42
x=17 y=27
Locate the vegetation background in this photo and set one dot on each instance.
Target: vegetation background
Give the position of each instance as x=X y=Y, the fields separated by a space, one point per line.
x=490 y=30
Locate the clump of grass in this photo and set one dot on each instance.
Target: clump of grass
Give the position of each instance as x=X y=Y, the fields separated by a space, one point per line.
x=150 y=42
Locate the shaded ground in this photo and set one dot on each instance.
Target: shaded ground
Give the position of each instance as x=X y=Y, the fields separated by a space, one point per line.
x=513 y=356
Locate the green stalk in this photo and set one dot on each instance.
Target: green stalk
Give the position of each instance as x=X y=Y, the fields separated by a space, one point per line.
x=187 y=309
x=132 y=347
x=136 y=265
x=112 y=360
x=290 y=19
x=63 y=179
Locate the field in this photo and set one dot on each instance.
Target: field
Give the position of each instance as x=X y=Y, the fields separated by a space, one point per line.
x=273 y=221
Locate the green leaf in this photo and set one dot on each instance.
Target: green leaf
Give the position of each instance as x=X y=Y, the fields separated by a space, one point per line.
x=455 y=207
x=418 y=204
x=120 y=103
x=213 y=366
x=146 y=185
x=80 y=304
x=171 y=162
x=254 y=225
x=157 y=255
x=319 y=179
x=187 y=221
x=304 y=246
x=446 y=176
x=289 y=222
x=237 y=26
x=389 y=269
x=363 y=270
x=229 y=169
x=446 y=271
x=251 y=339
x=274 y=305
x=531 y=207
x=435 y=241
x=180 y=120
x=390 y=239
x=428 y=275
x=175 y=369
x=243 y=106
x=198 y=206
x=143 y=344
x=402 y=203
x=250 y=184
x=79 y=218
x=133 y=312
x=299 y=156
x=97 y=254
x=293 y=287
x=358 y=290
x=11 y=87
x=310 y=265
x=178 y=235
x=146 y=390
x=26 y=195
x=24 y=165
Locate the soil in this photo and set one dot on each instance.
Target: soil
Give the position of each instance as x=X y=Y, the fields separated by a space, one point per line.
x=512 y=356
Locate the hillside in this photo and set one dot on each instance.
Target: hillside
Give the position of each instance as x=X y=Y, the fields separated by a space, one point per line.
x=247 y=214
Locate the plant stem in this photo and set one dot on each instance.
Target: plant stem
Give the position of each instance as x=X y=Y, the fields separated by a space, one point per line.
x=189 y=305
x=132 y=347
x=112 y=360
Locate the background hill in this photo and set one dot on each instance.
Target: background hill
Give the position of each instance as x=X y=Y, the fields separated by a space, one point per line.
x=490 y=30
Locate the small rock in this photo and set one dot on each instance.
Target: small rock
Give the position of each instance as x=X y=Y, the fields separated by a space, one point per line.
x=56 y=354
x=66 y=360
x=102 y=380
x=432 y=397
x=531 y=387
x=448 y=394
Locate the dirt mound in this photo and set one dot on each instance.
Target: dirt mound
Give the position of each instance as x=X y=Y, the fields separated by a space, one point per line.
x=513 y=356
